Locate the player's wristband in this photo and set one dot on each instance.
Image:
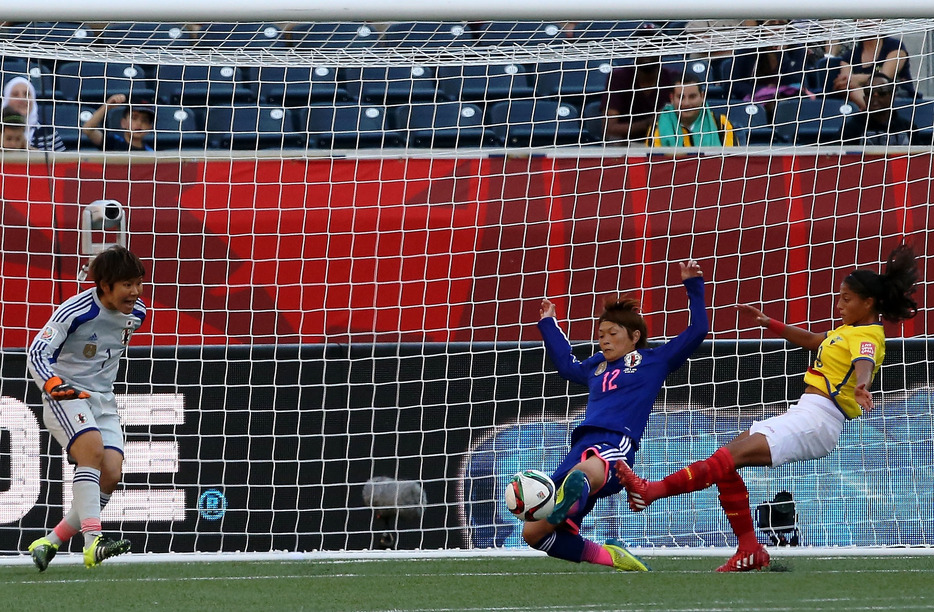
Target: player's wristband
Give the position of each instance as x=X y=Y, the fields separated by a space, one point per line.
x=776 y=327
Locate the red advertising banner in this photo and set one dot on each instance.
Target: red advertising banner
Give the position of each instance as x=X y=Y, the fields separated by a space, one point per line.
x=264 y=251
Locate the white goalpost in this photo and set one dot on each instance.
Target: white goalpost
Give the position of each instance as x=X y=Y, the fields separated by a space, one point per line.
x=349 y=223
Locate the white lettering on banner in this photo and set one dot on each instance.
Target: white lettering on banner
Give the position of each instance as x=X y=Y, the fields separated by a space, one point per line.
x=21 y=424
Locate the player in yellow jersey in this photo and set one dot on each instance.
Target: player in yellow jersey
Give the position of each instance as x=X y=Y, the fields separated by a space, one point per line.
x=838 y=382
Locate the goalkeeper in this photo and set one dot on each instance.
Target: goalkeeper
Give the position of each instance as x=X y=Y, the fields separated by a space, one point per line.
x=624 y=379
x=837 y=390
x=74 y=360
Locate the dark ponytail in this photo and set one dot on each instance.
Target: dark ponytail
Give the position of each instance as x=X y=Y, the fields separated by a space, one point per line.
x=892 y=289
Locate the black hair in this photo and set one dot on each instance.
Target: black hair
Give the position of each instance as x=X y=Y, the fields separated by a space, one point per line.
x=892 y=289
x=113 y=265
x=688 y=78
x=625 y=312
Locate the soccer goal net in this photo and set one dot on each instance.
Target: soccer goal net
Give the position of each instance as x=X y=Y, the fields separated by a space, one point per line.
x=348 y=229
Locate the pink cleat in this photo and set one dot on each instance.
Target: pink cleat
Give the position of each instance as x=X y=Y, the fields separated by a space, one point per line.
x=746 y=560
x=636 y=488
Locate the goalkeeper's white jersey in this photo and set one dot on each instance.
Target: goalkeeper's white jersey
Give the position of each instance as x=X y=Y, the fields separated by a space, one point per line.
x=83 y=341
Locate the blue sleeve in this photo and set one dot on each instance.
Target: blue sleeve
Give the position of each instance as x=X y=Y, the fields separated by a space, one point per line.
x=678 y=349
x=559 y=351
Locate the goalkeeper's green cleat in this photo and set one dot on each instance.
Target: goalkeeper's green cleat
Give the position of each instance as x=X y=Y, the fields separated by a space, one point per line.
x=42 y=551
x=623 y=560
x=566 y=496
x=104 y=548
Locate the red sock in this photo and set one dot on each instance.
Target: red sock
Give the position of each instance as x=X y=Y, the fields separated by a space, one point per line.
x=699 y=475
x=734 y=499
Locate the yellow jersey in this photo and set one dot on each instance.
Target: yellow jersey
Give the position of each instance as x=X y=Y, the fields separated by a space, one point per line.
x=833 y=369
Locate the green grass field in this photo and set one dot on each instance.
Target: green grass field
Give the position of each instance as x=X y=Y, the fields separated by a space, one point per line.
x=475 y=583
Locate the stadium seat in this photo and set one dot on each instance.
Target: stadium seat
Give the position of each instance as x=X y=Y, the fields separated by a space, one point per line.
x=572 y=79
x=44 y=32
x=329 y=35
x=803 y=121
x=484 y=82
x=750 y=121
x=297 y=85
x=239 y=35
x=448 y=124
x=524 y=123
x=517 y=33
x=921 y=113
x=145 y=34
x=195 y=85
x=67 y=118
x=252 y=127
x=392 y=85
x=176 y=127
x=94 y=82
x=594 y=118
x=601 y=30
x=425 y=34
x=349 y=126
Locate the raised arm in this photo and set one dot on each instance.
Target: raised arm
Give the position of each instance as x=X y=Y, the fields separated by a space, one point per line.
x=795 y=335
x=558 y=347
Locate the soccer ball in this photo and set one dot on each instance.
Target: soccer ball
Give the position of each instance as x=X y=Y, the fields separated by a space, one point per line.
x=530 y=495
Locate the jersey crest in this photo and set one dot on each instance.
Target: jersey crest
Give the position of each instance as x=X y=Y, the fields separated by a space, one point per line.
x=600 y=369
x=867 y=348
x=90 y=350
x=632 y=360
x=47 y=333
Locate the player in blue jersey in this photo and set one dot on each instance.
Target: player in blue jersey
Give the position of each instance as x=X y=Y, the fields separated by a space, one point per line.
x=624 y=379
x=837 y=389
x=74 y=361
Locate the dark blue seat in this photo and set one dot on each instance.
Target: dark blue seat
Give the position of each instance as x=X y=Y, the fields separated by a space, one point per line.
x=425 y=34
x=67 y=119
x=594 y=118
x=176 y=127
x=524 y=123
x=921 y=113
x=572 y=78
x=447 y=124
x=803 y=121
x=195 y=85
x=330 y=35
x=391 y=85
x=517 y=33
x=822 y=76
x=51 y=32
x=145 y=34
x=297 y=85
x=349 y=126
x=239 y=35
x=252 y=127
x=96 y=81
x=489 y=83
x=603 y=30
x=750 y=121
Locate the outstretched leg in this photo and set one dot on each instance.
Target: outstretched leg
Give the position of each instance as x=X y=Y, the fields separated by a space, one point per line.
x=734 y=499
x=699 y=475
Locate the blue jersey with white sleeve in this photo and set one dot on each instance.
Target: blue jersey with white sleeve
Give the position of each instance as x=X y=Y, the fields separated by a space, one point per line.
x=622 y=392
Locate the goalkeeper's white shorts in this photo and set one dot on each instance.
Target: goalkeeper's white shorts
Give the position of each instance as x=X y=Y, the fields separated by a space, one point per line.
x=809 y=430
x=66 y=420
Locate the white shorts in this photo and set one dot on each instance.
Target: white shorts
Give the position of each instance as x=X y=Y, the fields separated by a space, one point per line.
x=68 y=419
x=809 y=430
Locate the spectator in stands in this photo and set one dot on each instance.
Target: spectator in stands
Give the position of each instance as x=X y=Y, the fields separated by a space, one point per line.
x=879 y=124
x=135 y=123
x=19 y=94
x=887 y=55
x=13 y=129
x=635 y=94
x=687 y=121
x=763 y=76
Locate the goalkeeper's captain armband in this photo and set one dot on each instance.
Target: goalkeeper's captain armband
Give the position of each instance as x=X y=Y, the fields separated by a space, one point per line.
x=60 y=390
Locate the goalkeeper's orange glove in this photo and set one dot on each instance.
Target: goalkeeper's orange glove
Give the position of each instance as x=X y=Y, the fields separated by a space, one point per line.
x=60 y=390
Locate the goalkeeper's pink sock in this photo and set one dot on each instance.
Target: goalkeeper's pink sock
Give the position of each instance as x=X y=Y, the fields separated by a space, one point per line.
x=596 y=554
